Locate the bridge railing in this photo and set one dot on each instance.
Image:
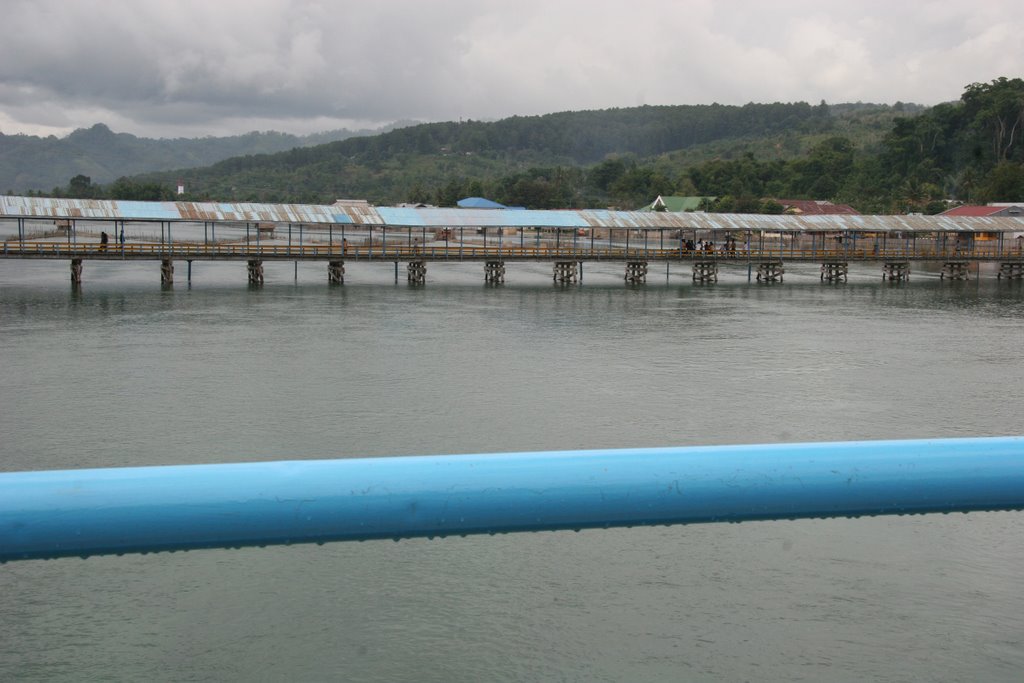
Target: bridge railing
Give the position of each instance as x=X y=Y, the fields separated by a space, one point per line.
x=142 y=509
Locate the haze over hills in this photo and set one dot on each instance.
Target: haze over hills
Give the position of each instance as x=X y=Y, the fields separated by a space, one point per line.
x=29 y=162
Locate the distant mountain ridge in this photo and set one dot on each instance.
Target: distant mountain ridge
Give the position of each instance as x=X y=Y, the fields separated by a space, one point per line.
x=29 y=162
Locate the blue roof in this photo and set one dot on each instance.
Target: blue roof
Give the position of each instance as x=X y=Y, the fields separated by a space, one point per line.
x=479 y=203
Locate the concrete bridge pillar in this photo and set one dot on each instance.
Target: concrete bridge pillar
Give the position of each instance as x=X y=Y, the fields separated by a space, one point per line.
x=705 y=271
x=166 y=271
x=1011 y=270
x=834 y=271
x=770 y=271
x=76 y=271
x=417 y=272
x=636 y=272
x=255 y=268
x=494 y=272
x=955 y=270
x=336 y=272
x=896 y=270
x=566 y=272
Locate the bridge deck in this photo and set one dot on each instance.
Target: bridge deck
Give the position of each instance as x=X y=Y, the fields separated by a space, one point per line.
x=494 y=252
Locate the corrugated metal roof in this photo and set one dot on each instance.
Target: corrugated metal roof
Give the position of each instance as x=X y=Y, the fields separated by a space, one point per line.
x=786 y=223
x=599 y=218
x=972 y=211
x=507 y=218
x=261 y=213
x=361 y=213
x=102 y=209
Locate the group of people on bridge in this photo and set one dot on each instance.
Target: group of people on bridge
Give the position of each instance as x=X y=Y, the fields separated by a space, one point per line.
x=105 y=240
x=727 y=249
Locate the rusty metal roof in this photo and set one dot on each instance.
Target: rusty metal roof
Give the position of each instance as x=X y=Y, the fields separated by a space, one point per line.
x=790 y=223
x=596 y=218
x=103 y=209
x=360 y=213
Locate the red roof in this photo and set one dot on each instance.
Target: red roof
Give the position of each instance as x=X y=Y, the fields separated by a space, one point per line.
x=817 y=207
x=967 y=210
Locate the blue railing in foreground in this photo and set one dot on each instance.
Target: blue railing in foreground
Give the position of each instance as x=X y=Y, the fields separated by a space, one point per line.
x=143 y=509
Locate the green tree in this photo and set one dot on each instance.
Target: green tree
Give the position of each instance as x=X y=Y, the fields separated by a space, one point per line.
x=1004 y=183
x=125 y=188
x=996 y=110
x=605 y=174
x=450 y=193
x=80 y=187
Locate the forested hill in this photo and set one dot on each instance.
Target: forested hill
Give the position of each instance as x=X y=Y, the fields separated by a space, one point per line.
x=879 y=158
x=28 y=162
x=586 y=137
x=418 y=163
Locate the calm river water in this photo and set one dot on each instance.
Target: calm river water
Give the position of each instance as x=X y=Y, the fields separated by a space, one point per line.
x=126 y=373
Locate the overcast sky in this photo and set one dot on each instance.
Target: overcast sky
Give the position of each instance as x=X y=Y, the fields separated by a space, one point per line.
x=169 y=68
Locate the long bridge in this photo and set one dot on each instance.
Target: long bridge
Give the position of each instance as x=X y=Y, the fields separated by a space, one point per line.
x=77 y=230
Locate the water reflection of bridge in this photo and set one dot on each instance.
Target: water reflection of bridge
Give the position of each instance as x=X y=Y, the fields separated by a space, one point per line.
x=77 y=230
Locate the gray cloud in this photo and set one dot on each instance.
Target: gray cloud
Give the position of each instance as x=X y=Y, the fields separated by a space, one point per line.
x=204 y=67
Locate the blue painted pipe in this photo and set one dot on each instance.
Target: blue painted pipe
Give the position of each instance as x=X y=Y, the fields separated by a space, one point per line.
x=145 y=509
